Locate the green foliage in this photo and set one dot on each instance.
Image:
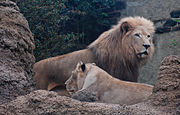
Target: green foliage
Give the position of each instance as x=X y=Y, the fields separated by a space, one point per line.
x=176 y=20
x=62 y=26
x=174 y=42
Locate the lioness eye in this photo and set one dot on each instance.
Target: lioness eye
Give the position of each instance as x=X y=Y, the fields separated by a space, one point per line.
x=137 y=35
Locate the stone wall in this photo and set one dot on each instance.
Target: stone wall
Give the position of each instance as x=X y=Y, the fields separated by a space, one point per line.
x=16 y=53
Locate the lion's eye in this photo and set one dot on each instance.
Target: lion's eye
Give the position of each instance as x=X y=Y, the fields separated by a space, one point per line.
x=137 y=35
x=148 y=36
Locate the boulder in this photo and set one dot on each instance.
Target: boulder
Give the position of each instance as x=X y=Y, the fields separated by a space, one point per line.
x=16 y=53
x=166 y=92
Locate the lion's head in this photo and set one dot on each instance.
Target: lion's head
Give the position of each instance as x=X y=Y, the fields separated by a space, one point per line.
x=137 y=42
x=76 y=80
x=71 y=83
x=137 y=36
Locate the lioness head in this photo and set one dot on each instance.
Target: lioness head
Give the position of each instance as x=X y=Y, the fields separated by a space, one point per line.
x=137 y=39
x=76 y=80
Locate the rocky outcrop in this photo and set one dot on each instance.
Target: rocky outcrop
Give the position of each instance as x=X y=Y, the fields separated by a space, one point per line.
x=42 y=102
x=166 y=92
x=16 y=53
x=164 y=100
x=86 y=95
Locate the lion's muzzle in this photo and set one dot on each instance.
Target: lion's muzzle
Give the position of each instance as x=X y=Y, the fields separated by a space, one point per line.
x=145 y=51
x=146 y=46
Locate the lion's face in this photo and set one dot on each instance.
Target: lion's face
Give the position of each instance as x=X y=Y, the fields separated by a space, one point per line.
x=71 y=83
x=76 y=80
x=139 y=42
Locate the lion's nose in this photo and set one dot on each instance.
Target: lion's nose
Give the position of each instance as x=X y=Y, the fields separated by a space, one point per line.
x=146 y=46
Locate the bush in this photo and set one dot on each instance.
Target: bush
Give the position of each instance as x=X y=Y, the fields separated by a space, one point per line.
x=62 y=26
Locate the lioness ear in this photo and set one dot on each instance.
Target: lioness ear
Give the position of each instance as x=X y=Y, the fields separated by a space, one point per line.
x=83 y=67
x=79 y=65
x=125 y=27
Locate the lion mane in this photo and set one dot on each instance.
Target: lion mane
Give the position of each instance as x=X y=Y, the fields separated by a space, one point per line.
x=120 y=51
x=90 y=78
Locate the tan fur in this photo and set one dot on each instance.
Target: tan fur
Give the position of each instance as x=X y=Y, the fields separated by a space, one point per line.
x=116 y=51
x=107 y=88
x=52 y=85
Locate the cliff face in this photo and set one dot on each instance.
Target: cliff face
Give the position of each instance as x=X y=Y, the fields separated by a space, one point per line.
x=16 y=53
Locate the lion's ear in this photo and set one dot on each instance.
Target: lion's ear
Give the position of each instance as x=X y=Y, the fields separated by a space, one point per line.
x=79 y=64
x=125 y=27
x=83 y=67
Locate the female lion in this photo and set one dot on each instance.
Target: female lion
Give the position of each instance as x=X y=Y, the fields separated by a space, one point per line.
x=107 y=88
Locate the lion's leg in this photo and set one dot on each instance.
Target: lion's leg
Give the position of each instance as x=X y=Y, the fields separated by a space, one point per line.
x=61 y=90
x=41 y=81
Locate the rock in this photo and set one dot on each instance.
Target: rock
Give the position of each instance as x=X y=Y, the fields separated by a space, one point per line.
x=165 y=99
x=44 y=102
x=16 y=53
x=166 y=92
x=169 y=23
x=175 y=14
x=85 y=95
x=161 y=30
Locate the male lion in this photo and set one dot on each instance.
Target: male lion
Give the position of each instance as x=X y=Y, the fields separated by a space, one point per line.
x=120 y=51
x=107 y=88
